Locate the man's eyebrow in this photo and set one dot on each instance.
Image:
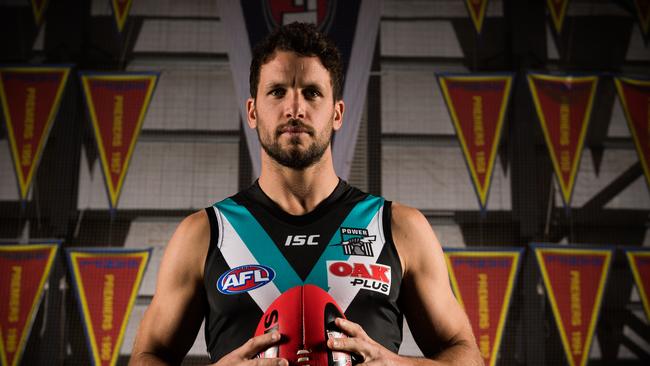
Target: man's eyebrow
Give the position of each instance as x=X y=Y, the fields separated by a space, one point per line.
x=274 y=85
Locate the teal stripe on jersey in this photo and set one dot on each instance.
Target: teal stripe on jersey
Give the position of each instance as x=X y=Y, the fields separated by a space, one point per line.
x=259 y=243
x=359 y=217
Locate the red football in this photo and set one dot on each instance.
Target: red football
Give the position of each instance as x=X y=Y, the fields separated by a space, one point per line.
x=304 y=316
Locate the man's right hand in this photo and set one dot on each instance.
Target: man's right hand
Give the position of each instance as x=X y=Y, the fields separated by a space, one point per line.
x=246 y=354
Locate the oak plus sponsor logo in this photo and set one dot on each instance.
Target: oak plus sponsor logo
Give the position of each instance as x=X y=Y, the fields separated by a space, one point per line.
x=300 y=240
x=367 y=276
x=356 y=242
x=244 y=278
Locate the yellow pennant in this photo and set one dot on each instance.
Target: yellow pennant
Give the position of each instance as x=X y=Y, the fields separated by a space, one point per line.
x=38 y=8
x=30 y=101
x=639 y=260
x=121 y=10
x=557 y=9
x=476 y=9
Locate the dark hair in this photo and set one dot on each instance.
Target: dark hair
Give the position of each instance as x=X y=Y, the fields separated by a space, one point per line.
x=305 y=40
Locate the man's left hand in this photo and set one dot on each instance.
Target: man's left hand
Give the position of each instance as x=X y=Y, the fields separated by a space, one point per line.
x=359 y=343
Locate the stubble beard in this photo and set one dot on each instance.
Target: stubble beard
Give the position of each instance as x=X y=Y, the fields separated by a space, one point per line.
x=293 y=156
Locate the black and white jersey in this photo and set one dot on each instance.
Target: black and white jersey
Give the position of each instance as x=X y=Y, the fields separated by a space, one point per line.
x=258 y=251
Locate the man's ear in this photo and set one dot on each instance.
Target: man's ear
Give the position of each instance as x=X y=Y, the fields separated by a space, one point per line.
x=252 y=114
x=339 y=110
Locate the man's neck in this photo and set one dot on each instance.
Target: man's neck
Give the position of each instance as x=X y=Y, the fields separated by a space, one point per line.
x=298 y=192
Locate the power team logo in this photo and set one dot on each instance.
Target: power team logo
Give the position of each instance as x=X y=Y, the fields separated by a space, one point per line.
x=356 y=242
x=364 y=276
x=280 y=12
x=244 y=278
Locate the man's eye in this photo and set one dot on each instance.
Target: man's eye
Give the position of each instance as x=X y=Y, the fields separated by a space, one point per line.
x=277 y=92
x=311 y=93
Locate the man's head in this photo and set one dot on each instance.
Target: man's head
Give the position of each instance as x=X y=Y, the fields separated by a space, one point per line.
x=295 y=103
x=305 y=40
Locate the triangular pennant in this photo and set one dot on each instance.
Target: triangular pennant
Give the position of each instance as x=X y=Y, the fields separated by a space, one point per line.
x=639 y=260
x=574 y=279
x=106 y=282
x=352 y=25
x=30 y=101
x=38 y=8
x=643 y=13
x=564 y=105
x=476 y=9
x=477 y=105
x=23 y=272
x=483 y=281
x=557 y=9
x=117 y=104
x=634 y=95
x=121 y=12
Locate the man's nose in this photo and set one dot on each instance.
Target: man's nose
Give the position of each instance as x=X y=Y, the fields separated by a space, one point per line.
x=295 y=107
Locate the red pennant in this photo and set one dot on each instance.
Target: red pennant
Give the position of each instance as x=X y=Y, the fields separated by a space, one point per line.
x=23 y=272
x=476 y=9
x=557 y=9
x=563 y=105
x=30 y=100
x=574 y=280
x=121 y=10
x=117 y=104
x=477 y=106
x=106 y=284
x=635 y=99
x=483 y=282
x=38 y=8
x=643 y=12
x=639 y=260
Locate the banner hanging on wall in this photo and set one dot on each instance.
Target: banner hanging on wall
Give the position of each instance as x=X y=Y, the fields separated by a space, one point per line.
x=483 y=281
x=31 y=96
x=634 y=95
x=106 y=283
x=574 y=278
x=643 y=14
x=117 y=104
x=38 y=9
x=476 y=9
x=477 y=105
x=563 y=105
x=557 y=10
x=639 y=260
x=351 y=24
x=24 y=268
x=121 y=10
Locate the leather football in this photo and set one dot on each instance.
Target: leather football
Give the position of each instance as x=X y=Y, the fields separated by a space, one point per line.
x=304 y=316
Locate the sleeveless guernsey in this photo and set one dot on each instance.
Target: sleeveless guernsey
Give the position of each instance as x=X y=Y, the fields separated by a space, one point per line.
x=257 y=251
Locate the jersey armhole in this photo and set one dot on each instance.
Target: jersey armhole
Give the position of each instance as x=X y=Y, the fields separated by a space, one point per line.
x=388 y=233
x=214 y=233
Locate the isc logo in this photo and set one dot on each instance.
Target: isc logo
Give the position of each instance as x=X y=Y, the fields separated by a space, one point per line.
x=244 y=279
x=298 y=240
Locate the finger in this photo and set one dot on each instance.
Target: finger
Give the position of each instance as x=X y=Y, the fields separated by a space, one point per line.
x=267 y=362
x=350 y=328
x=258 y=344
x=352 y=345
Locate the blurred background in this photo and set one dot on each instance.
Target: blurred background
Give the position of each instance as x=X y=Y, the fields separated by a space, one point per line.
x=192 y=150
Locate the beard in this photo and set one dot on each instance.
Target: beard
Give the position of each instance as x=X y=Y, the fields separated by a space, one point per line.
x=294 y=156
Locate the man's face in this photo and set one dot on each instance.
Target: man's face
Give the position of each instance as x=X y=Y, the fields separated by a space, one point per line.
x=294 y=111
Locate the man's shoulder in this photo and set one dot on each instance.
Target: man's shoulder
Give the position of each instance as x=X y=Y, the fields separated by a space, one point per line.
x=406 y=217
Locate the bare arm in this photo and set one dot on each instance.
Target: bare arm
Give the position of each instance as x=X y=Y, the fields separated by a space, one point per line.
x=438 y=323
x=173 y=318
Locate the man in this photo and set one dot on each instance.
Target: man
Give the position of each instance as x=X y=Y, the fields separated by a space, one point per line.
x=299 y=223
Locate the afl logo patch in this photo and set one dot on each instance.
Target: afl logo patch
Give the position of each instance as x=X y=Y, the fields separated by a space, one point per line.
x=244 y=278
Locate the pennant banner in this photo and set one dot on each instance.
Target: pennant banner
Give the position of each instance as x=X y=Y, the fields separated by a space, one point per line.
x=563 y=105
x=24 y=268
x=477 y=105
x=121 y=10
x=574 y=279
x=634 y=95
x=38 y=8
x=117 y=104
x=30 y=101
x=106 y=283
x=476 y=9
x=483 y=282
x=643 y=13
x=639 y=260
x=351 y=24
x=557 y=9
